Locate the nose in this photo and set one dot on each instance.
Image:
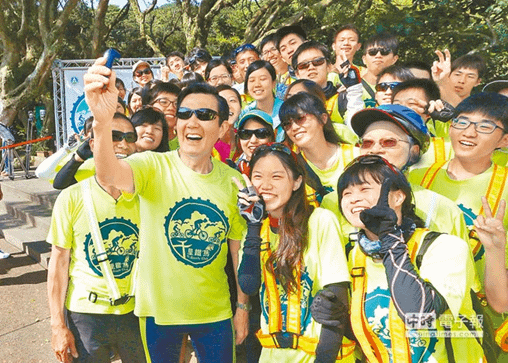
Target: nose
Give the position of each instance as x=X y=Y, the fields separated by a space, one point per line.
x=253 y=139
x=470 y=130
x=376 y=149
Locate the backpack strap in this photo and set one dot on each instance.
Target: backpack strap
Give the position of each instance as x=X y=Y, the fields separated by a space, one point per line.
x=369 y=89
x=424 y=246
x=312 y=178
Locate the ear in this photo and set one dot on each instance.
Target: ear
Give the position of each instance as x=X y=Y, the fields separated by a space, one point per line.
x=298 y=183
x=324 y=118
x=358 y=47
x=91 y=143
x=503 y=142
x=333 y=46
x=395 y=59
x=363 y=59
x=478 y=82
x=396 y=199
x=223 y=128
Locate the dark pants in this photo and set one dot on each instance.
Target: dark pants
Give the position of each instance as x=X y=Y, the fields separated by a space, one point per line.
x=96 y=335
x=213 y=342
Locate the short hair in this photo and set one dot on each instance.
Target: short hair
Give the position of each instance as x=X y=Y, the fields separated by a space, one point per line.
x=421 y=65
x=87 y=126
x=254 y=66
x=489 y=104
x=310 y=44
x=214 y=63
x=269 y=38
x=175 y=54
x=205 y=88
x=349 y=26
x=150 y=115
x=310 y=104
x=428 y=86
x=162 y=87
x=247 y=47
x=471 y=61
x=397 y=71
x=224 y=87
x=385 y=40
x=290 y=29
x=121 y=101
x=116 y=116
x=312 y=87
x=190 y=78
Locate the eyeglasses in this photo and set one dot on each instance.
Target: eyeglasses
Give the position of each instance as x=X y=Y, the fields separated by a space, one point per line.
x=315 y=62
x=383 y=87
x=483 y=127
x=263 y=133
x=270 y=51
x=388 y=143
x=243 y=48
x=144 y=71
x=204 y=114
x=373 y=51
x=371 y=159
x=224 y=77
x=300 y=120
x=129 y=137
x=165 y=102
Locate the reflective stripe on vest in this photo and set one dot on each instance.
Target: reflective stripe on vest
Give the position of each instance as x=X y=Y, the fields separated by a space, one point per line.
x=501 y=336
x=293 y=319
x=371 y=345
x=439 y=149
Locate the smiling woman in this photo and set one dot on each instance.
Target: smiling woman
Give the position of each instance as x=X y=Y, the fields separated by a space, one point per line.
x=151 y=128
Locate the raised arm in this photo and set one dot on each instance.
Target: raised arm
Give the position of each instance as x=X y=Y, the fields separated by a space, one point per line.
x=101 y=97
x=492 y=235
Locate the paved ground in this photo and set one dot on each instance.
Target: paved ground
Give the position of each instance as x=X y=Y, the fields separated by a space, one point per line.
x=25 y=333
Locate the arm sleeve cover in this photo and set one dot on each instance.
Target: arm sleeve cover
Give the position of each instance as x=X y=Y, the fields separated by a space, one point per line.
x=410 y=293
x=65 y=177
x=330 y=339
x=249 y=271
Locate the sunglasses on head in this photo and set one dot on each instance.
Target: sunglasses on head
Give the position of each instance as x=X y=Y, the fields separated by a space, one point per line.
x=383 y=87
x=315 y=62
x=243 y=48
x=388 y=143
x=300 y=120
x=373 y=51
x=199 y=56
x=263 y=133
x=129 y=137
x=275 y=146
x=204 y=114
x=144 y=71
x=371 y=159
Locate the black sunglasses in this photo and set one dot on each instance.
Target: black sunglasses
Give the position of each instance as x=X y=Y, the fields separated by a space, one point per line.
x=204 y=114
x=144 y=71
x=373 y=51
x=263 y=133
x=315 y=62
x=199 y=56
x=383 y=87
x=129 y=137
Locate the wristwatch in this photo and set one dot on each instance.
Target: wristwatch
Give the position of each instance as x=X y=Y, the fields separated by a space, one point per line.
x=246 y=307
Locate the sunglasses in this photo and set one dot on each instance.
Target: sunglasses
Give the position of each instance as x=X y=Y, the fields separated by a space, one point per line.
x=204 y=114
x=144 y=71
x=275 y=146
x=129 y=137
x=383 y=87
x=373 y=51
x=300 y=120
x=243 y=48
x=315 y=62
x=263 y=133
x=199 y=56
x=388 y=143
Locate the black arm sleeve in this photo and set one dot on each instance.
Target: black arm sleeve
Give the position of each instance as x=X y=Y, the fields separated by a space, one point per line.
x=410 y=293
x=65 y=177
x=249 y=271
x=330 y=339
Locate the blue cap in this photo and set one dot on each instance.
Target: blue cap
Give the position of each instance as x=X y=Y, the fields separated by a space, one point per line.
x=404 y=117
x=255 y=114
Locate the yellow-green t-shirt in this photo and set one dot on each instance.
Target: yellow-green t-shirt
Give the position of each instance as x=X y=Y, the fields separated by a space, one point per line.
x=118 y=222
x=324 y=263
x=186 y=220
x=453 y=278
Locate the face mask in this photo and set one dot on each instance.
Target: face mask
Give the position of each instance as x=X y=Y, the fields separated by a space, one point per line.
x=370 y=248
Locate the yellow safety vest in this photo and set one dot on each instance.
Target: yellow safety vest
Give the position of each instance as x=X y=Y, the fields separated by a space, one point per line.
x=293 y=318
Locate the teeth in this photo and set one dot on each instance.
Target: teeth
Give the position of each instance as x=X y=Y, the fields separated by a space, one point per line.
x=357 y=209
x=267 y=197
x=148 y=139
x=466 y=143
x=194 y=137
x=120 y=156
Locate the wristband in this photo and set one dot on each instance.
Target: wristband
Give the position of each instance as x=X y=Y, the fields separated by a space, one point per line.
x=246 y=307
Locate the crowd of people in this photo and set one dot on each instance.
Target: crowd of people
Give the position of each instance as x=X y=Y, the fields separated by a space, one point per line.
x=285 y=203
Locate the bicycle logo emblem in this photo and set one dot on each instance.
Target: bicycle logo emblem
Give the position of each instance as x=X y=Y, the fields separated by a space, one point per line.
x=195 y=230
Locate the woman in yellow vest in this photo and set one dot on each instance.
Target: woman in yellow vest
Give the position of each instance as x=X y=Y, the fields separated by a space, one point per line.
x=288 y=256
x=411 y=297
